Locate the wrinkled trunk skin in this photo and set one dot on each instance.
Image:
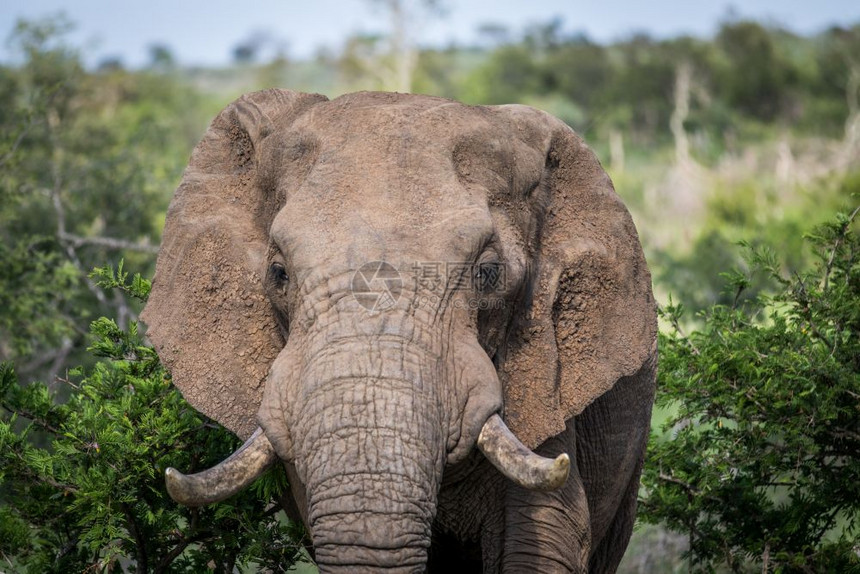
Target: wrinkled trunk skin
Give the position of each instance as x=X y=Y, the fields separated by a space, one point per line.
x=370 y=451
x=372 y=486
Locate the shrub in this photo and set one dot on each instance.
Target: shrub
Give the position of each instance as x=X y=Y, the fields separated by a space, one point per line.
x=82 y=482
x=759 y=462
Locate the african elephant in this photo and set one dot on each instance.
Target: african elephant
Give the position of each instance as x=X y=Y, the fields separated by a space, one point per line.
x=369 y=286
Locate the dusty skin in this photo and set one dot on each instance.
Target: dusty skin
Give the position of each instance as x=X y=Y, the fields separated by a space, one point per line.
x=500 y=273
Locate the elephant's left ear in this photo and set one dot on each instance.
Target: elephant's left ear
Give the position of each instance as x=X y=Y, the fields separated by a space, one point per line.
x=590 y=318
x=207 y=314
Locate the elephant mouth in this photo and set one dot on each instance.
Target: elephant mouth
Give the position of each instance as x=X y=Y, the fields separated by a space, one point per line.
x=496 y=441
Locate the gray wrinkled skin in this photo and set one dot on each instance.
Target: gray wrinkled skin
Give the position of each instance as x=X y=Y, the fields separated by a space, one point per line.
x=376 y=404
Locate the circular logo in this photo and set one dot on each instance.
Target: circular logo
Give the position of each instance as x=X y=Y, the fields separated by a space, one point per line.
x=376 y=286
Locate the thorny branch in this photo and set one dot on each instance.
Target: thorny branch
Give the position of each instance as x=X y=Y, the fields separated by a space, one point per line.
x=71 y=251
x=833 y=253
x=71 y=241
x=673 y=320
x=32 y=417
x=692 y=490
x=109 y=242
x=183 y=543
x=14 y=147
x=66 y=488
x=140 y=545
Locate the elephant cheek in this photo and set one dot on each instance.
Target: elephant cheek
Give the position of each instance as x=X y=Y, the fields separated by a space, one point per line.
x=275 y=408
x=479 y=397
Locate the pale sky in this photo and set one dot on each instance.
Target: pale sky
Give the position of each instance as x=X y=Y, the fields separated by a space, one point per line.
x=204 y=32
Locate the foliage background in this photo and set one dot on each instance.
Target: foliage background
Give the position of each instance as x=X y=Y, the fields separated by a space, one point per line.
x=751 y=135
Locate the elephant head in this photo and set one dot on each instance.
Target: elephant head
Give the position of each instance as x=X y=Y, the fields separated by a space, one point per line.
x=370 y=286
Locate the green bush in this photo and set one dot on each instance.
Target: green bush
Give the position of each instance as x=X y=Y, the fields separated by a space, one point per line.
x=760 y=462
x=82 y=482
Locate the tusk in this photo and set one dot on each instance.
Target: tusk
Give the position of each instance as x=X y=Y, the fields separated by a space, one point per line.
x=517 y=462
x=227 y=478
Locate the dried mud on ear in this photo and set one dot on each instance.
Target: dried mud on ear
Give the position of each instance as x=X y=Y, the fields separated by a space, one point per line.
x=592 y=317
x=208 y=315
x=222 y=335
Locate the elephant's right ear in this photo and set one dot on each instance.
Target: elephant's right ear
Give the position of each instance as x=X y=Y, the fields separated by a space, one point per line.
x=207 y=314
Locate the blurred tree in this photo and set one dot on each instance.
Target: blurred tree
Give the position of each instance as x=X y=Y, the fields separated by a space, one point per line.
x=273 y=74
x=495 y=34
x=754 y=77
x=509 y=74
x=444 y=72
x=544 y=37
x=363 y=62
x=582 y=71
x=388 y=62
x=643 y=81
x=161 y=58
x=249 y=49
x=110 y=64
x=89 y=161
x=844 y=44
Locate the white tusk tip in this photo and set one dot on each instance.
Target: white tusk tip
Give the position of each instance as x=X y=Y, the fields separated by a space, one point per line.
x=559 y=472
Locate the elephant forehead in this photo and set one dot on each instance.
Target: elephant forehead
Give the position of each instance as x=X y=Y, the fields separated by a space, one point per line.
x=419 y=145
x=389 y=170
x=392 y=125
x=379 y=221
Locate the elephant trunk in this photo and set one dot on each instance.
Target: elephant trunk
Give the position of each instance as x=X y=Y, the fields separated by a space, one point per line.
x=370 y=517
x=371 y=457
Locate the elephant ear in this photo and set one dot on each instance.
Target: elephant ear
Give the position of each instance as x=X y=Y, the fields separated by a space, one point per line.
x=590 y=317
x=207 y=314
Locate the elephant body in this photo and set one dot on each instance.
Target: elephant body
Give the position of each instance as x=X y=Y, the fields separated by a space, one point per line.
x=403 y=295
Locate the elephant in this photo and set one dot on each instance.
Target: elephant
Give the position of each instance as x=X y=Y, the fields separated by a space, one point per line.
x=438 y=317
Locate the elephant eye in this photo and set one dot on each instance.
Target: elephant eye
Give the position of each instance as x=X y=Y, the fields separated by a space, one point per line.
x=278 y=272
x=489 y=276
